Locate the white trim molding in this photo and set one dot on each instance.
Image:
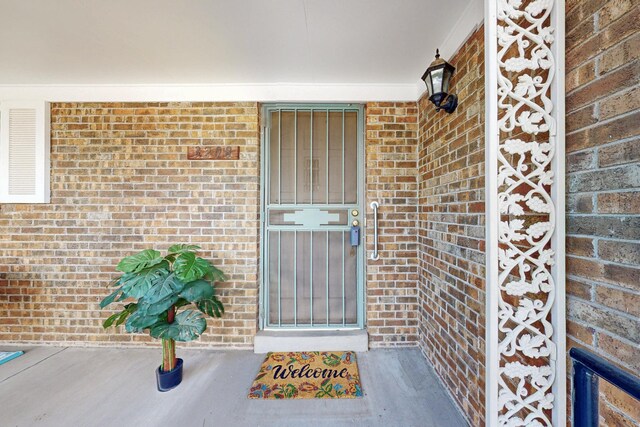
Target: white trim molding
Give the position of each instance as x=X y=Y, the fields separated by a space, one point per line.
x=464 y=27
x=526 y=355
x=276 y=92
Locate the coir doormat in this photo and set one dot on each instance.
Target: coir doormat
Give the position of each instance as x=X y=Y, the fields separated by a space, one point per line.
x=308 y=375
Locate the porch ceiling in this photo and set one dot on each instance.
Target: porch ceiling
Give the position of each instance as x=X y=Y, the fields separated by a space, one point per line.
x=218 y=42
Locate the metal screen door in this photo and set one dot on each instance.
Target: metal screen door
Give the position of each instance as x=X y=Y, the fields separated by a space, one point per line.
x=312 y=180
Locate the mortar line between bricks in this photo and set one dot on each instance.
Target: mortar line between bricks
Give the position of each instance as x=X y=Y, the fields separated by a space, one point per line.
x=594 y=283
x=606 y=308
x=595 y=58
x=607 y=120
x=612 y=407
x=35 y=364
x=605 y=145
x=622 y=339
x=596 y=237
x=598 y=101
x=580 y=23
x=602 y=214
x=579 y=341
x=454 y=266
x=614 y=190
x=605 y=261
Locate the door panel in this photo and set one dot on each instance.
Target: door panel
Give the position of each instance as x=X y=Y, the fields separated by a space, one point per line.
x=336 y=161
x=313 y=275
x=350 y=154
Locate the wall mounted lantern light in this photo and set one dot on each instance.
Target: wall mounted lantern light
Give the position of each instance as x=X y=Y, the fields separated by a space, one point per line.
x=437 y=79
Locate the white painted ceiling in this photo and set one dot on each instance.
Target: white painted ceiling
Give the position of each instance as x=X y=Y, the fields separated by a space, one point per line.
x=216 y=42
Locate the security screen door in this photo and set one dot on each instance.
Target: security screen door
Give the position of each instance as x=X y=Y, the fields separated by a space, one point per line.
x=312 y=197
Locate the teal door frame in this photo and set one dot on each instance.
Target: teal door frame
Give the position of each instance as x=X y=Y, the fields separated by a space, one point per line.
x=267 y=109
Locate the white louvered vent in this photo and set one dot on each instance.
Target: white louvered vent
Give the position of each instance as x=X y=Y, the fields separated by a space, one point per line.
x=22 y=152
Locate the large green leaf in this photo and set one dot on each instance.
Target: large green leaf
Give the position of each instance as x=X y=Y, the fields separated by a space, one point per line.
x=216 y=275
x=164 y=288
x=128 y=310
x=138 y=322
x=189 y=267
x=182 y=302
x=187 y=326
x=121 y=316
x=211 y=306
x=181 y=248
x=116 y=281
x=139 y=261
x=110 y=298
x=197 y=290
x=157 y=307
x=111 y=319
x=136 y=285
x=175 y=250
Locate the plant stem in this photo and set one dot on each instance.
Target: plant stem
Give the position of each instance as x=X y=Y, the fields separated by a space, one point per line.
x=168 y=355
x=169 y=346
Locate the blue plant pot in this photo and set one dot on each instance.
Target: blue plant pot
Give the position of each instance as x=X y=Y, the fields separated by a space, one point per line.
x=169 y=380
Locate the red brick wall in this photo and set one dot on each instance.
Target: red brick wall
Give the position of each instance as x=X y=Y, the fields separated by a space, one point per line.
x=121 y=182
x=391 y=154
x=603 y=189
x=451 y=286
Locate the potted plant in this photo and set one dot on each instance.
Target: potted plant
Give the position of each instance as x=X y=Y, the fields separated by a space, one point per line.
x=169 y=296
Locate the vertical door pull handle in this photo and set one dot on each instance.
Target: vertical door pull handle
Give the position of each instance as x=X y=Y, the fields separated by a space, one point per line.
x=375 y=256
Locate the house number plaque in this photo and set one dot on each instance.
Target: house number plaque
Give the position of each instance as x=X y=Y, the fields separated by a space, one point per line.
x=213 y=153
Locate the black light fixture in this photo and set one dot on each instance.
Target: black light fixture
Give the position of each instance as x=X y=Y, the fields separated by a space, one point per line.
x=437 y=79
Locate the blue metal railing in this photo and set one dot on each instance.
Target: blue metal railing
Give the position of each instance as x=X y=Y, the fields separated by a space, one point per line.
x=587 y=368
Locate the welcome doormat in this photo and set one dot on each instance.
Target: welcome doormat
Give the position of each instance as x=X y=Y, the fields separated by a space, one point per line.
x=5 y=356
x=308 y=375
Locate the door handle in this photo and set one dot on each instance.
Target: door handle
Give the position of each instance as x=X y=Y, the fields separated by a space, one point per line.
x=375 y=255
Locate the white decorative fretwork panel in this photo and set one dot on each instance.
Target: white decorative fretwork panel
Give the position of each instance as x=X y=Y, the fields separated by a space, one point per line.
x=526 y=212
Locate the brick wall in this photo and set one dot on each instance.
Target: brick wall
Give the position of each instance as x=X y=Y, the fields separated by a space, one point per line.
x=391 y=154
x=451 y=233
x=603 y=189
x=121 y=182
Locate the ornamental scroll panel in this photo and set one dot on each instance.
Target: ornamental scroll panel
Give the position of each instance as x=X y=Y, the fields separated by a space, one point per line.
x=526 y=212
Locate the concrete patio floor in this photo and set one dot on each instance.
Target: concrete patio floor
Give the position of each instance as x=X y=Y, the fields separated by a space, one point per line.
x=56 y=386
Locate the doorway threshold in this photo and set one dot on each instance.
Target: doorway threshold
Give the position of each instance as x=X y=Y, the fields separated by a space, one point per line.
x=336 y=340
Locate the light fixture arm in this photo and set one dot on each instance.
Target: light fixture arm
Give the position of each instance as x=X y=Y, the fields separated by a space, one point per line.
x=450 y=104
